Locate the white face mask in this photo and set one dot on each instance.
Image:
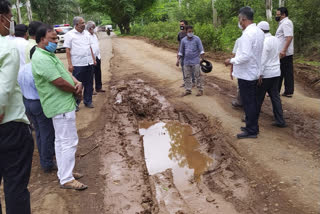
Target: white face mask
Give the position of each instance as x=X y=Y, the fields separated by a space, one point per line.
x=241 y=28
x=95 y=30
x=190 y=35
x=11 y=28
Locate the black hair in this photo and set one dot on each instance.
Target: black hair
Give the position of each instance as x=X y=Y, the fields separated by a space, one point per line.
x=247 y=12
x=33 y=27
x=42 y=32
x=5 y=6
x=20 y=30
x=184 y=21
x=283 y=10
x=189 y=27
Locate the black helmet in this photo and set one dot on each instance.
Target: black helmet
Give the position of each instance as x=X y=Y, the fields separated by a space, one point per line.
x=206 y=66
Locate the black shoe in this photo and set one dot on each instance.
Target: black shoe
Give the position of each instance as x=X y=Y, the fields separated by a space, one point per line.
x=90 y=105
x=100 y=90
x=244 y=129
x=246 y=135
x=77 y=108
x=287 y=95
x=49 y=170
x=279 y=125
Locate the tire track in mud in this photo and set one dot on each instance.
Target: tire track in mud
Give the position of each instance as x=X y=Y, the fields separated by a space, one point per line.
x=225 y=183
x=271 y=192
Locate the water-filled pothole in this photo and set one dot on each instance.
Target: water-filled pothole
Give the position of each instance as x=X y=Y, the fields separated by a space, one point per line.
x=172 y=145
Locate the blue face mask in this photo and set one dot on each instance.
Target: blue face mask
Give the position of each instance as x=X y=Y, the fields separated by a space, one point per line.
x=51 y=47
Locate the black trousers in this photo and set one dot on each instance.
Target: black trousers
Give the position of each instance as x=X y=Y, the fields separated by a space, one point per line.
x=16 y=150
x=270 y=85
x=248 y=93
x=97 y=75
x=286 y=66
x=85 y=75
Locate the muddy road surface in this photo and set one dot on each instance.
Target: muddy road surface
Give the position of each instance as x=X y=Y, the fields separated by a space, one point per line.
x=145 y=149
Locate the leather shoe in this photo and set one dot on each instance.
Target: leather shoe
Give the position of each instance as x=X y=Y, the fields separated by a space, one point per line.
x=246 y=135
x=90 y=106
x=101 y=90
x=279 y=125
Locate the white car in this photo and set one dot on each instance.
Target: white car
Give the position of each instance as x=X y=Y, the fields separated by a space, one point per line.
x=61 y=31
x=109 y=26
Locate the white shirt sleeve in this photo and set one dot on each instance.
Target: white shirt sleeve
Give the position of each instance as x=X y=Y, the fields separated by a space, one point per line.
x=264 y=57
x=244 y=51
x=67 y=40
x=287 y=29
x=235 y=47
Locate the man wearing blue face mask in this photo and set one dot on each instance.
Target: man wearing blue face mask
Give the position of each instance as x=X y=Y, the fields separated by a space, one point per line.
x=191 y=50
x=57 y=90
x=42 y=125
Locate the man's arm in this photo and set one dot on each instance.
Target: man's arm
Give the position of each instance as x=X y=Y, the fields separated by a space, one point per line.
x=70 y=66
x=286 y=46
x=201 y=49
x=64 y=85
x=8 y=77
x=181 y=53
x=243 y=53
x=94 y=59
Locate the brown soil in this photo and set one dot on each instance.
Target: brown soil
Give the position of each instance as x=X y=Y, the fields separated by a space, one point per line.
x=276 y=173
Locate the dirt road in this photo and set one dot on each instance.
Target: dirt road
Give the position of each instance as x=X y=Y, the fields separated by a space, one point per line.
x=155 y=152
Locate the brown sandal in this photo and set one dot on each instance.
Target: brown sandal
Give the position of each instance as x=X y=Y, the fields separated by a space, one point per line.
x=74 y=184
x=77 y=175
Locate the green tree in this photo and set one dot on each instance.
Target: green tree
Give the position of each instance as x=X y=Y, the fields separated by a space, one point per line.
x=55 y=11
x=121 y=12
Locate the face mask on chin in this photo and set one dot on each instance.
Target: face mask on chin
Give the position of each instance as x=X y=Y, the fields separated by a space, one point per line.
x=190 y=35
x=240 y=26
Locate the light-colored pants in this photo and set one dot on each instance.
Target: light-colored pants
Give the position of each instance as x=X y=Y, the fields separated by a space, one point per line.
x=188 y=70
x=66 y=141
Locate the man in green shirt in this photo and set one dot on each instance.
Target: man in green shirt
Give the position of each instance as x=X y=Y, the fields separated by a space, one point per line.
x=57 y=90
x=16 y=142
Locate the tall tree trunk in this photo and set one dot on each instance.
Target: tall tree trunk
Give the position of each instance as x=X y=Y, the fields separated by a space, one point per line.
x=269 y=9
x=282 y=3
x=214 y=14
x=29 y=10
x=18 y=11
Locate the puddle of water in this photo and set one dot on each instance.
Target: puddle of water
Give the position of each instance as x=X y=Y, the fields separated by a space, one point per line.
x=171 y=145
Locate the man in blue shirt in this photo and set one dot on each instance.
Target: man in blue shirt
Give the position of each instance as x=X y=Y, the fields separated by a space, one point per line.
x=191 y=50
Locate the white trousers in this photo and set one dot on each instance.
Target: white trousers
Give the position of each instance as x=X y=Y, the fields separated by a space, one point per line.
x=66 y=141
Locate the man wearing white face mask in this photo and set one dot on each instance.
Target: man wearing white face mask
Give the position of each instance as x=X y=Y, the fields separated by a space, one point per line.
x=16 y=142
x=247 y=68
x=191 y=50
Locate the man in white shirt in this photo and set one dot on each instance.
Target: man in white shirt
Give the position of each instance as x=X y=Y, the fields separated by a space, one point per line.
x=96 y=51
x=285 y=35
x=270 y=74
x=21 y=42
x=247 y=68
x=81 y=59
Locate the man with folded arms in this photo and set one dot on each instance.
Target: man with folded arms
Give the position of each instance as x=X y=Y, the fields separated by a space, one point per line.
x=57 y=89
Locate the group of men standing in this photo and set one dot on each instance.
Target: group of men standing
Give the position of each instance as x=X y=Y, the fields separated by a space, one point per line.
x=260 y=64
x=36 y=87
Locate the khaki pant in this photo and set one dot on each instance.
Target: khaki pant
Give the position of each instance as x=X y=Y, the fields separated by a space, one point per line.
x=195 y=69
